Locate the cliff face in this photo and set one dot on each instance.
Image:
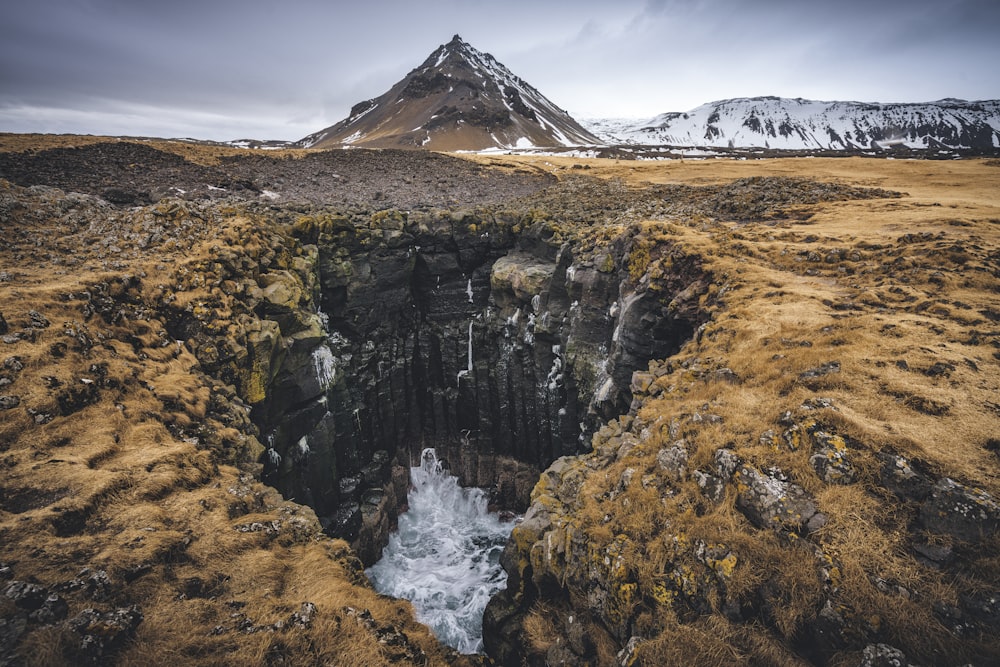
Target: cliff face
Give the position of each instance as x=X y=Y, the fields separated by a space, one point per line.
x=481 y=334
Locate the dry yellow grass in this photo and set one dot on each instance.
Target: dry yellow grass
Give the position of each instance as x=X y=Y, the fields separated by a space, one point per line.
x=109 y=485
x=205 y=154
x=540 y=628
x=97 y=473
x=903 y=294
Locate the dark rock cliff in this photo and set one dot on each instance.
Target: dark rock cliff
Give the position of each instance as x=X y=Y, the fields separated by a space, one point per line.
x=482 y=333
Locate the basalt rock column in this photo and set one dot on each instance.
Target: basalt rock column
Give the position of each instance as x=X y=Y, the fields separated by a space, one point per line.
x=500 y=346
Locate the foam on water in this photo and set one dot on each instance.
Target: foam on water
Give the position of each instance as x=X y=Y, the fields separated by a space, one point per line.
x=445 y=557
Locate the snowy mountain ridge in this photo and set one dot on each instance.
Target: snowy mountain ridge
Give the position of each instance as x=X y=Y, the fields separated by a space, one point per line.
x=797 y=124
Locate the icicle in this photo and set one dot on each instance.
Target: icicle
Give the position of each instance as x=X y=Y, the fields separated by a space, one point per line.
x=273 y=457
x=555 y=375
x=324 y=365
x=468 y=290
x=469 y=369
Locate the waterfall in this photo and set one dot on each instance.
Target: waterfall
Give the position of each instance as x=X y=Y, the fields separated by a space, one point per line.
x=470 y=346
x=445 y=557
x=469 y=368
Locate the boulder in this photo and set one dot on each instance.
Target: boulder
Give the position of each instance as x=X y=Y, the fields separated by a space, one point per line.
x=821 y=370
x=711 y=486
x=770 y=500
x=519 y=277
x=26 y=595
x=103 y=633
x=963 y=512
x=831 y=459
x=263 y=344
x=673 y=460
x=883 y=655
x=901 y=476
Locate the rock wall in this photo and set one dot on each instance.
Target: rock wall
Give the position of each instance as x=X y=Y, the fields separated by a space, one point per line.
x=484 y=334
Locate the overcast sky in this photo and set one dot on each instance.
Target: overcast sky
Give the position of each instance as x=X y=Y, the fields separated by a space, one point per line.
x=228 y=69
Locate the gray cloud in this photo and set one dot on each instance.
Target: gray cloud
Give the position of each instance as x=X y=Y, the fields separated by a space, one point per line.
x=222 y=69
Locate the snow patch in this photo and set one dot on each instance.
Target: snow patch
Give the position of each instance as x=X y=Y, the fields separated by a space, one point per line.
x=354 y=137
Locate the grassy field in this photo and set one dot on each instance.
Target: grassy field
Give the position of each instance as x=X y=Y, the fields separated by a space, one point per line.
x=902 y=293
x=105 y=504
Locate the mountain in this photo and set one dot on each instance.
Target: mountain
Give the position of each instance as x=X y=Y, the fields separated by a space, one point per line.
x=458 y=99
x=796 y=124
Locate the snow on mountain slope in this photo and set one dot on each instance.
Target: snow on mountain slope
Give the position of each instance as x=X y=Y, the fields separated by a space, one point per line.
x=458 y=99
x=796 y=124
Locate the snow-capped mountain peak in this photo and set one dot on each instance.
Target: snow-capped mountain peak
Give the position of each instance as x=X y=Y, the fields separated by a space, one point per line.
x=459 y=99
x=798 y=124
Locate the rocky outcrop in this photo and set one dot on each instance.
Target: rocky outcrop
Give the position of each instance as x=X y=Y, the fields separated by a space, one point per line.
x=590 y=576
x=358 y=338
x=495 y=341
x=964 y=513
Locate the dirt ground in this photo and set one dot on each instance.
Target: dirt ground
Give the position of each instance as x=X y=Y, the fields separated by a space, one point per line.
x=133 y=172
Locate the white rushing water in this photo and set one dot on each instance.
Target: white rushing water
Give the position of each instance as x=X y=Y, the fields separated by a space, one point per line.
x=445 y=557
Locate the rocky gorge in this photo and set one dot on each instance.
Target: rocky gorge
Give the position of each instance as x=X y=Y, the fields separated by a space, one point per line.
x=487 y=334
x=589 y=349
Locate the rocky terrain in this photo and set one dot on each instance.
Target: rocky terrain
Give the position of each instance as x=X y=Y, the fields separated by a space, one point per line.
x=749 y=408
x=129 y=172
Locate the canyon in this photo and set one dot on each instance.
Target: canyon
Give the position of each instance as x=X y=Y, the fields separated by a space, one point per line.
x=504 y=348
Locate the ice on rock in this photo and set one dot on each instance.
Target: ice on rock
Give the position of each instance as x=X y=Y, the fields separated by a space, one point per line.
x=325 y=366
x=468 y=369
